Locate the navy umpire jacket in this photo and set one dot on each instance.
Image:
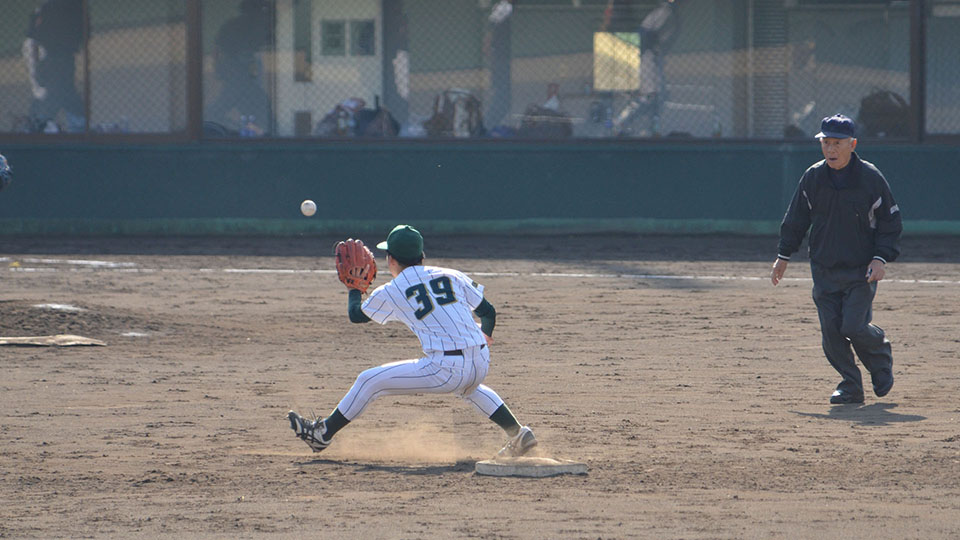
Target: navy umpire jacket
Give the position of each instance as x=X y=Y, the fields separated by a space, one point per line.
x=849 y=226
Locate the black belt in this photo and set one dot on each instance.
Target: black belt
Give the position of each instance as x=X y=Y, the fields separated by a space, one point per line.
x=457 y=352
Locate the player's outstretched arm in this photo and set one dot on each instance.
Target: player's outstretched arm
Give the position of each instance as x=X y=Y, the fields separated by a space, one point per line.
x=354 y=301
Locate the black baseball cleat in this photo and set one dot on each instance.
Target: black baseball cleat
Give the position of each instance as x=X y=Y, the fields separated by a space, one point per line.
x=840 y=397
x=310 y=432
x=882 y=382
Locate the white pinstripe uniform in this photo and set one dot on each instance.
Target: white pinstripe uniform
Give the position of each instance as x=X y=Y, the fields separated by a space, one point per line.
x=437 y=305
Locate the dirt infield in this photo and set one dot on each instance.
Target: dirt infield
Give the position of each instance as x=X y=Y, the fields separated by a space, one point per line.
x=694 y=390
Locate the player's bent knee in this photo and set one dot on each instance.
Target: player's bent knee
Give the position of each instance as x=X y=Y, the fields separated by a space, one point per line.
x=366 y=376
x=855 y=331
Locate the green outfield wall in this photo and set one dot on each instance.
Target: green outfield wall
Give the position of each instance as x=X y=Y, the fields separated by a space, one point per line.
x=487 y=186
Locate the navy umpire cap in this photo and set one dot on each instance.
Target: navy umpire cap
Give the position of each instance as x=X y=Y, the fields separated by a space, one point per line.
x=404 y=243
x=837 y=126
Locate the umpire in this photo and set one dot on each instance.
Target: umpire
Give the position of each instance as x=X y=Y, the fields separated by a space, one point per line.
x=855 y=225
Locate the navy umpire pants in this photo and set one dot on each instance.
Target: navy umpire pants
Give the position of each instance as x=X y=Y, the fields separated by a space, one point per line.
x=844 y=302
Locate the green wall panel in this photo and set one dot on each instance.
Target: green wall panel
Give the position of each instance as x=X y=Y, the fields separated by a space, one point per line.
x=225 y=187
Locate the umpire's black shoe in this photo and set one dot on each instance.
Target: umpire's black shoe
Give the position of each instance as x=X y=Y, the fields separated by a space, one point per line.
x=882 y=382
x=840 y=397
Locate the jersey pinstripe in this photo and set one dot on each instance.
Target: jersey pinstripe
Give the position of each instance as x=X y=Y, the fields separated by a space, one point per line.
x=435 y=303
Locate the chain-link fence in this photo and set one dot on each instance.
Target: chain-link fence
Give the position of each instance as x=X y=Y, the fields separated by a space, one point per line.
x=533 y=69
x=942 y=84
x=102 y=66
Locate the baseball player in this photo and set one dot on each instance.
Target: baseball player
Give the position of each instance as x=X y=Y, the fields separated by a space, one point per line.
x=438 y=305
x=6 y=174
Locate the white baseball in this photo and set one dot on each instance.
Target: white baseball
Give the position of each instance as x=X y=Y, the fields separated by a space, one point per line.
x=308 y=208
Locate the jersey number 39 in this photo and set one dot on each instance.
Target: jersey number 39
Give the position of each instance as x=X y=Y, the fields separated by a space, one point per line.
x=443 y=295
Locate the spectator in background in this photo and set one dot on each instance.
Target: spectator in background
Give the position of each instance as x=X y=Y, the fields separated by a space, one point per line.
x=396 y=49
x=497 y=46
x=54 y=37
x=658 y=31
x=553 y=97
x=243 y=100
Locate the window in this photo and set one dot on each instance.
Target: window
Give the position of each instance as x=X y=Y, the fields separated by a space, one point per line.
x=362 y=38
x=333 y=38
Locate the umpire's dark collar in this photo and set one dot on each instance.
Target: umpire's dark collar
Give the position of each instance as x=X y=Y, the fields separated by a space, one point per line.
x=856 y=166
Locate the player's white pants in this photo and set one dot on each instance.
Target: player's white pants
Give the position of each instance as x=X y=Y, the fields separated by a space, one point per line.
x=437 y=374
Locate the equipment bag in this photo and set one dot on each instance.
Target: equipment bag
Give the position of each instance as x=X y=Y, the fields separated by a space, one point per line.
x=456 y=113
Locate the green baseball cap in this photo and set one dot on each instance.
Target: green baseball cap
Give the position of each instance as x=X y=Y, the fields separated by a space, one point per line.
x=404 y=243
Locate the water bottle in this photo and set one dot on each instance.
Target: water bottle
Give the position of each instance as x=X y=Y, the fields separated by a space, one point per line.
x=244 y=132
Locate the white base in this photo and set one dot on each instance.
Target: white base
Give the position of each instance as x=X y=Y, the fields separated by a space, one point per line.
x=535 y=467
x=59 y=340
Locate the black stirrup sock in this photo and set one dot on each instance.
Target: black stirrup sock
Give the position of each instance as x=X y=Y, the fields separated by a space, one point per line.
x=335 y=422
x=505 y=419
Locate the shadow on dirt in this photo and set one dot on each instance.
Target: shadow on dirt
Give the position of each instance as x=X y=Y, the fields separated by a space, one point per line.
x=875 y=414
x=462 y=466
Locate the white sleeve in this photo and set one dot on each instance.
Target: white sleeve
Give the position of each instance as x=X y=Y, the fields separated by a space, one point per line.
x=379 y=306
x=472 y=291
